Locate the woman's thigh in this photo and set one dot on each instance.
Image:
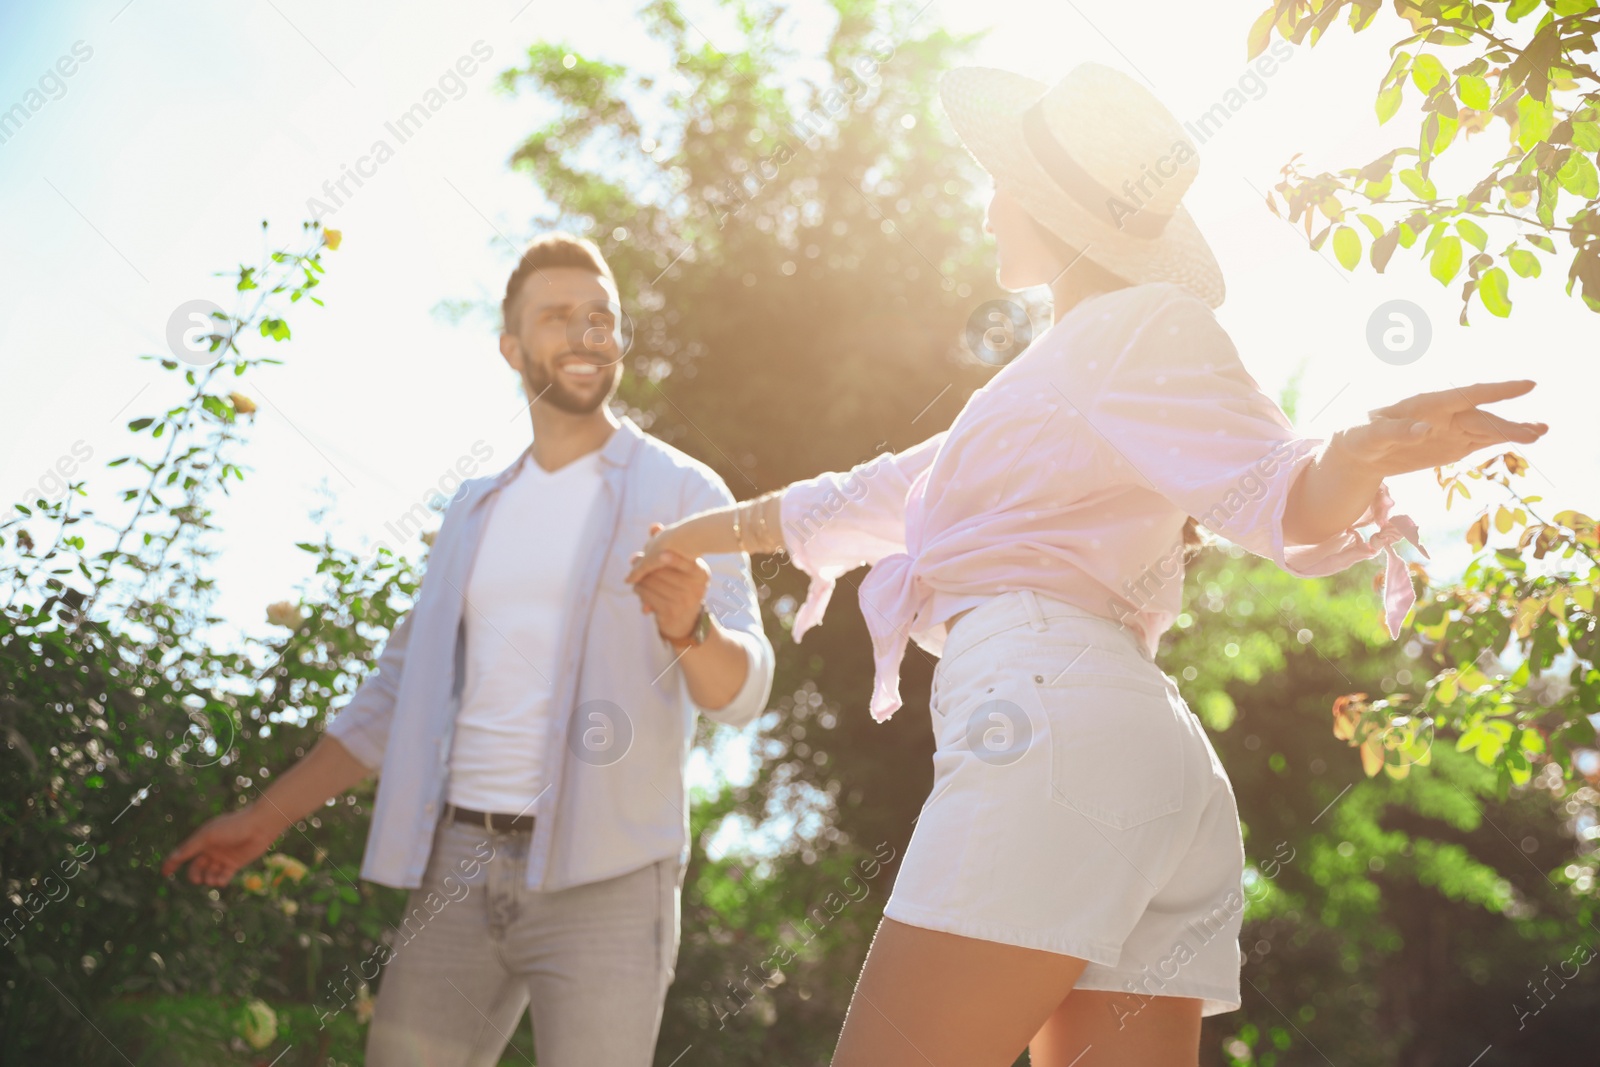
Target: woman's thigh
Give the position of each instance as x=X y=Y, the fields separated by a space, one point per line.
x=1092 y=1028
x=931 y=997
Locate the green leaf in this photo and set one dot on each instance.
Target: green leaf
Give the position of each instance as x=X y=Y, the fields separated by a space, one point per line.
x=1492 y=289
x=1520 y=8
x=1535 y=120
x=1439 y=131
x=1539 y=240
x=1397 y=69
x=1446 y=259
x=1373 y=225
x=1549 y=192
x=1473 y=92
x=1347 y=247
x=1524 y=262
x=1578 y=176
x=1389 y=102
x=1586 y=135
x=1261 y=32
x=138 y=425
x=1426 y=72
x=1472 y=232
x=1420 y=187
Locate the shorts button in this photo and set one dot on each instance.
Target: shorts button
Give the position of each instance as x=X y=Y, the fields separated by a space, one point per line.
x=1038 y=677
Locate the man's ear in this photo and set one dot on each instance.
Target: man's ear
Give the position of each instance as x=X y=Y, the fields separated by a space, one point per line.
x=511 y=350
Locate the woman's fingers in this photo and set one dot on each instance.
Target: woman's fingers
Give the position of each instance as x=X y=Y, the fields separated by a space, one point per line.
x=1489 y=392
x=1456 y=398
x=1487 y=425
x=644 y=563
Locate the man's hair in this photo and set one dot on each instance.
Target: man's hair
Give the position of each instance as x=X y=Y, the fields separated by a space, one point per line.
x=555 y=249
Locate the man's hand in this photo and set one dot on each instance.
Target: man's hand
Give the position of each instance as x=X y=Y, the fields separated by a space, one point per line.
x=1435 y=429
x=217 y=850
x=674 y=590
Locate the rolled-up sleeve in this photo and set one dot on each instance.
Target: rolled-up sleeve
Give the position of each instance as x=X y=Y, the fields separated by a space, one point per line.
x=362 y=725
x=731 y=599
x=1179 y=408
x=839 y=521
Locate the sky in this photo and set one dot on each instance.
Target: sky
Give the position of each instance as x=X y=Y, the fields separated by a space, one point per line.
x=184 y=125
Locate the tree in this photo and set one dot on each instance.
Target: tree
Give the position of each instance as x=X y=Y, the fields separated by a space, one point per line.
x=1396 y=918
x=125 y=718
x=1475 y=66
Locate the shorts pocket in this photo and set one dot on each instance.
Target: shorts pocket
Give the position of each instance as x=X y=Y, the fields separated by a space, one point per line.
x=1116 y=746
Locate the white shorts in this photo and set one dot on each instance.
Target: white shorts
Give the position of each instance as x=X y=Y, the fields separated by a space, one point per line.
x=1077 y=807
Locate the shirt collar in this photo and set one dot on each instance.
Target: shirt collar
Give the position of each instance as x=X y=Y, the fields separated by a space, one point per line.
x=616 y=452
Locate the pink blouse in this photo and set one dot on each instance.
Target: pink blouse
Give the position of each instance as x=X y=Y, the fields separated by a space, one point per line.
x=1071 y=473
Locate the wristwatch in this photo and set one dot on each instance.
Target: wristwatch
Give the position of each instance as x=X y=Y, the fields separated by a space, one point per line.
x=697 y=633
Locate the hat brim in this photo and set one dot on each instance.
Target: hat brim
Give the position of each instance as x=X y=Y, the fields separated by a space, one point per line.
x=985 y=106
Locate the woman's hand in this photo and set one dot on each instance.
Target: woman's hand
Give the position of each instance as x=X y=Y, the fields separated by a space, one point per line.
x=1426 y=430
x=663 y=539
x=1435 y=429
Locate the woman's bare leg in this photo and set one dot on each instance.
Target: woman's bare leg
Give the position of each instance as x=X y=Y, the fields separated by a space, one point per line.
x=929 y=998
x=1092 y=1028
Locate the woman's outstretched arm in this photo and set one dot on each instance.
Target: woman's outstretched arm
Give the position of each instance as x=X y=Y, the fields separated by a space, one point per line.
x=752 y=526
x=1426 y=430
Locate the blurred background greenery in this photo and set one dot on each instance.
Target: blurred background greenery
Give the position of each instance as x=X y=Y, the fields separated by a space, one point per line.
x=1421 y=884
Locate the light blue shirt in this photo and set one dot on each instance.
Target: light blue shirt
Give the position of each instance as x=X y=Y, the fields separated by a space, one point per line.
x=623 y=720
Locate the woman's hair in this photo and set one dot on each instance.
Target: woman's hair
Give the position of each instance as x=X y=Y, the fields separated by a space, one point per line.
x=1193 y=542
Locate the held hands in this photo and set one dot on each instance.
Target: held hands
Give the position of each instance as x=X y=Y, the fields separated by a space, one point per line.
x=669 y=584
x=1436 y=429
x=217 y=850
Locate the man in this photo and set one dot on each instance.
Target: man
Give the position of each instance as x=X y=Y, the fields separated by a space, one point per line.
x=530 y=720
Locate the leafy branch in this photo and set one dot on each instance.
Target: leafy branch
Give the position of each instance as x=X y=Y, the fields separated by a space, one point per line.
x=1538 y=86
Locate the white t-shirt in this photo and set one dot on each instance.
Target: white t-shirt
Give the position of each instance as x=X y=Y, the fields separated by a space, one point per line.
x=514 y=600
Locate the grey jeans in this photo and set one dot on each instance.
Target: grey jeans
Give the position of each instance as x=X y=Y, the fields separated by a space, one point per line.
x=477 y=947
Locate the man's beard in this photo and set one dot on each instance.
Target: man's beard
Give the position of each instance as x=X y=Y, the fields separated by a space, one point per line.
x=544 y=389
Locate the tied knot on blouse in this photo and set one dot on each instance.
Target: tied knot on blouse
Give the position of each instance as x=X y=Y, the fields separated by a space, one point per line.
x=1072 y=473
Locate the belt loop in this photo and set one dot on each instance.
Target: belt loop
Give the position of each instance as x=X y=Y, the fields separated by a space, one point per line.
x=488 y=823
x=1035 y=613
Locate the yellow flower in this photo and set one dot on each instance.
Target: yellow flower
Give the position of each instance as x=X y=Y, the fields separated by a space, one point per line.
x=285 y=867
x=241 y=403
x=289 y=907
x=285 y=613
x=258 y=1024
x=363 y=1003
x=331 y=238
x=254 y=883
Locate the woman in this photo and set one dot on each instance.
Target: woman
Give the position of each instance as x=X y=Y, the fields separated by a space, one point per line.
x=1074 y=881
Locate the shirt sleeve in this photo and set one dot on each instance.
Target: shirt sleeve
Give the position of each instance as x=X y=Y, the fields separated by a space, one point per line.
x=836 y=522
x=731 y=599
x=362 y=725
x=1178 y=408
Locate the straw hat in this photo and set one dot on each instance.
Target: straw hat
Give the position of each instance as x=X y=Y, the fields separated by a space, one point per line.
x=1097 y=160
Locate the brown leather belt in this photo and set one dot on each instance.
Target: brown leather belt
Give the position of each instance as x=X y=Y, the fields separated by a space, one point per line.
x=491 y=821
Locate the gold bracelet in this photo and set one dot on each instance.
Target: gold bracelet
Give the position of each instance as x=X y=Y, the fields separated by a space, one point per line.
x=761 y=522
